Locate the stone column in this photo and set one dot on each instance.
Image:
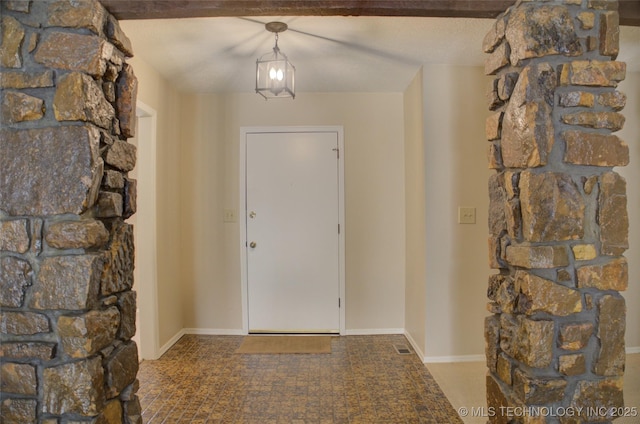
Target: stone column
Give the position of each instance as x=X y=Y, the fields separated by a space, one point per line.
x=66 y=255
x=558 y=219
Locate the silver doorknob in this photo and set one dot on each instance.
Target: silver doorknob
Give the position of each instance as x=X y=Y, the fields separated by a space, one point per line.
x=252 y=245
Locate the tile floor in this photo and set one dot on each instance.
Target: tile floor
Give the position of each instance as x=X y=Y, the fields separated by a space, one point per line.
x=364 y=380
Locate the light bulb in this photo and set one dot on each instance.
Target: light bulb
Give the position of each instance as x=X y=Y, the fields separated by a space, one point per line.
x=280 y=75
x=272 y=73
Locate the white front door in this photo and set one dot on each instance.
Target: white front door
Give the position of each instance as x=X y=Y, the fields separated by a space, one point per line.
x=292 y=231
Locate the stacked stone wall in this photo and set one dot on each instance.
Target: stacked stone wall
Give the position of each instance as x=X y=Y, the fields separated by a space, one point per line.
x=67 y=311
x=558 y=218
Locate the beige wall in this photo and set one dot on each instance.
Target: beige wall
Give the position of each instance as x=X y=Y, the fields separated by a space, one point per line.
x=415 y=215
x=411 y=159
x=631 y=135
x=157 y=93
x=374 y=205
x=456 y=175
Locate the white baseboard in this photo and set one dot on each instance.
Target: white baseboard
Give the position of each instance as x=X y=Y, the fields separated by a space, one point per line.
x=631 y=350
x=373 y=331
x=215 y=331
x=415 y=346
x=457 y=358
x=163 y=349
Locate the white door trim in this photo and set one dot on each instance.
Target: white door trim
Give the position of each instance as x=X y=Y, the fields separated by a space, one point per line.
x=146 y=255
x=242 y=211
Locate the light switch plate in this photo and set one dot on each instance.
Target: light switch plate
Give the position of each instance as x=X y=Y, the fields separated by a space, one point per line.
x=230 y=215
x=466 y=215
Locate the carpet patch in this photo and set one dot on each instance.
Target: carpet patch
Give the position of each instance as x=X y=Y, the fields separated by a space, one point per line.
x=285 y=344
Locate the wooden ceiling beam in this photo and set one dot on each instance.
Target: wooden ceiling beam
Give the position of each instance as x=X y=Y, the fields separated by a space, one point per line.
x=164 y=9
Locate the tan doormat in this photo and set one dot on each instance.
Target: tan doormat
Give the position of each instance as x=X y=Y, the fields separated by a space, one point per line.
x=285 y=344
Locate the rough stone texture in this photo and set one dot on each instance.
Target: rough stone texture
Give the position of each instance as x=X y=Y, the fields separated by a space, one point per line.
x=63 y=166
x=506 y=295
x=570 y=365
x=126 y=94
x=14 y=236
x=575 y=336
x=492 y=339
x=592 y=396
x=493 y=99
x=79 y=98
x=127 y=305
x=495 y=36
x=19 y=79
x=608 y=120
x=118 y=37
x=83 y=234
x=133 y=411
x=119 y=261
x=130 y=198
x=58 y=331
x=74 y=388
x=494 y=157
x=497 y=201
x=536 y=391
x=561 y=332
x=121 y=368
x=28 y=350
x=23 y=323
x=113 y=180
x=552 y=207
x=112 y=413
x=577 y=99
x=612 y=275
x=584 y=252
x=498 y=59
x=609 y=34
x=86 y=334
x=542 y=295
x=12 y=38
x=121 y=155
x=612 y=214
x=19 y=107
x=527 y=131
x=531 y=257
x=19 y=411
x=18 y=5
x=496 y=400
x=74 y=52
x=593 y=73
x=67 y=282
x=506 y=84
x=18 y=379
x=504 y=369
x=15 y=276
x=526 y=340
x=587 y=20
x=492 y=127
x=595 y=149
x=536 y=31
x=611 y=327
x=87 y=14
x=110 y=205
x=613 y=99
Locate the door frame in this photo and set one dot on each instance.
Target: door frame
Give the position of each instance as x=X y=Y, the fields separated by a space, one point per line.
x=242 y=213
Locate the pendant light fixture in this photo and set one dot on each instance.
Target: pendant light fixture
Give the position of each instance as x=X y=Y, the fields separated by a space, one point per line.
x=275 y=75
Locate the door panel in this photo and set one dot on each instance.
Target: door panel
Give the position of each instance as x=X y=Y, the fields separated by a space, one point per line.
x=292 y=217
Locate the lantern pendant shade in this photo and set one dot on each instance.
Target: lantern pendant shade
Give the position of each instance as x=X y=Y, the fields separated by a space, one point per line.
x=275 y=75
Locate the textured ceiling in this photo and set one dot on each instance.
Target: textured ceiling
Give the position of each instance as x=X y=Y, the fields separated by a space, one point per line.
x=331 y=54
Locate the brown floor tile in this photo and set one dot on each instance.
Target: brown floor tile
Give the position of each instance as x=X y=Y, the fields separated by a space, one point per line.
x=364 y=380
